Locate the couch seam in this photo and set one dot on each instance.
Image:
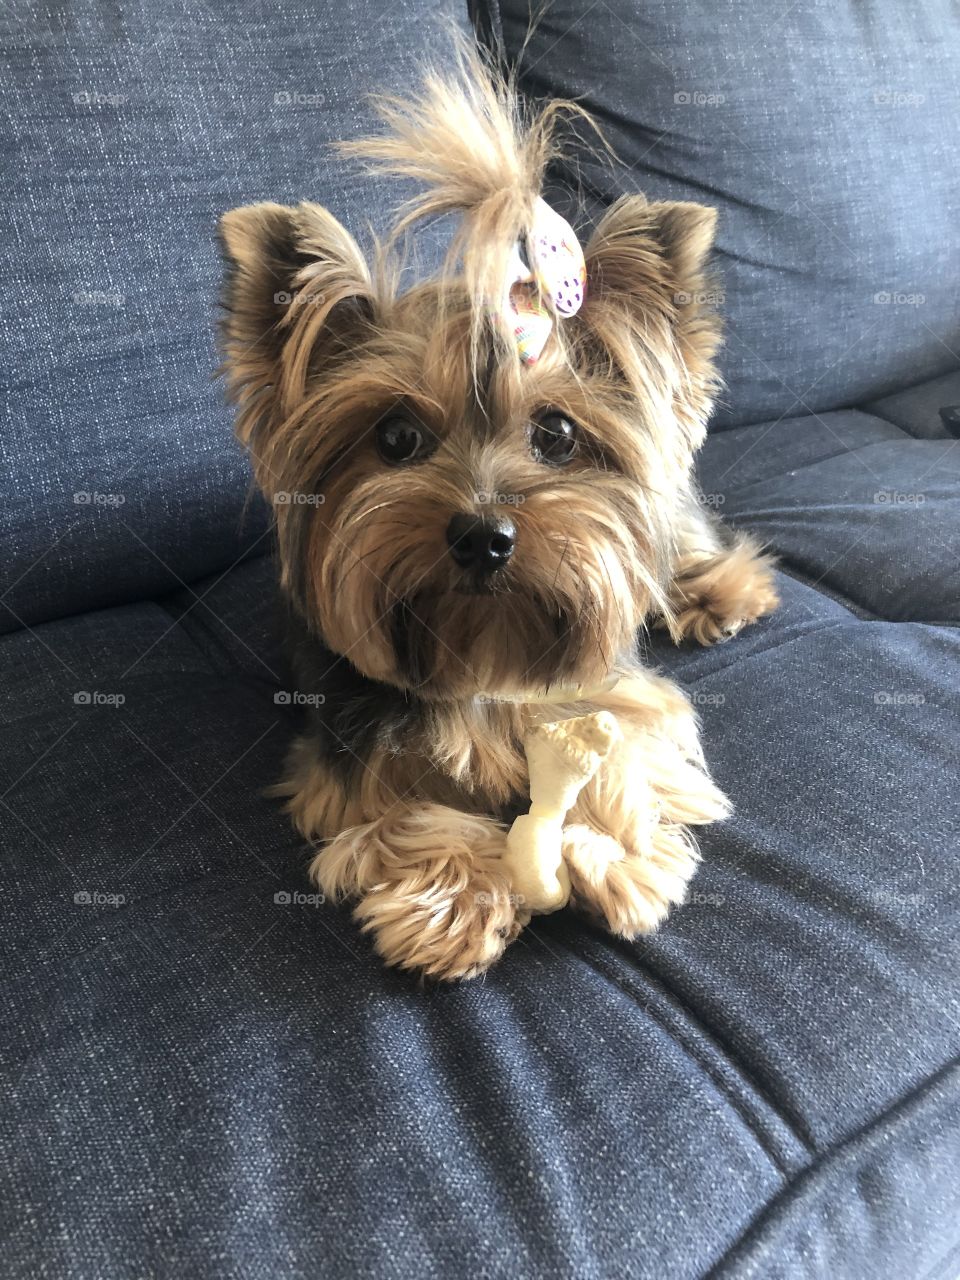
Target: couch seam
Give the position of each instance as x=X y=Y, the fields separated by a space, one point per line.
x=751 y=1121
x=899 y=425
x=822 y=1163
x=849 y=452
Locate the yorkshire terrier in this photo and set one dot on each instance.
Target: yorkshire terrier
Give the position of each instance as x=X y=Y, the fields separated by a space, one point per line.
x=470 y=542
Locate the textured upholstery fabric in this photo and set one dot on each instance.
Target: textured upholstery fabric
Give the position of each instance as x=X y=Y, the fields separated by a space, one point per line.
x=868 y=511
x=204 y=1071
x=917 y=409
x=128 y=131
x=202 y=1078
x=825 y=135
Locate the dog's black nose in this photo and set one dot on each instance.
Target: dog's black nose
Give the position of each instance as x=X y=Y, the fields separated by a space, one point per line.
x=481 y=542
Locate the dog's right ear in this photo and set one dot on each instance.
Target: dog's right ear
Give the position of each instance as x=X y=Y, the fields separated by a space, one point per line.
x=298 y=298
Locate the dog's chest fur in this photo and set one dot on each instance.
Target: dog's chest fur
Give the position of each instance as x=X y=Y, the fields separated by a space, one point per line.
x=467 y=751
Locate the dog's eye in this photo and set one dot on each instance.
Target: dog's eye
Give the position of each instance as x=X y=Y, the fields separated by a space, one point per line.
x=401 y=440
x=554 y=439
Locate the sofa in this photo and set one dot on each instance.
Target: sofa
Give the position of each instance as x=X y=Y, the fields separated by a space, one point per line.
x=206 y=1070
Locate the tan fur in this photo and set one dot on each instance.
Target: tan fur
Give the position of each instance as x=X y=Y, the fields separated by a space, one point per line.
x=429 y=888
x=319 y=347
x=425 y=874
x=628 y=849
x=714 y=595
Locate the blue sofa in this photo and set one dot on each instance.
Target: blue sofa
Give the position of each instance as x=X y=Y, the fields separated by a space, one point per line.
x=206 y=1072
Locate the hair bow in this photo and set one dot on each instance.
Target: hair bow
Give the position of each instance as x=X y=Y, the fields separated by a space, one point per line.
x=546 y=278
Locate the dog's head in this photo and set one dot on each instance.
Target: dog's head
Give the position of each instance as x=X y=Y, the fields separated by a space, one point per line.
x=451 y=520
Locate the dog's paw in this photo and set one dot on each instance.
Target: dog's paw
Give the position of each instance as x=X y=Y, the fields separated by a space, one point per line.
x=629 y=850
x=714 y=598
x=441 y=906
x=631 y=893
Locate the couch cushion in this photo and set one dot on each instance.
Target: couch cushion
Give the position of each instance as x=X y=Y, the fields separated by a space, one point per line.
x=917 y=409
x=851 y=503
x=130 y=130
x=824 y=134
x=199 y=1077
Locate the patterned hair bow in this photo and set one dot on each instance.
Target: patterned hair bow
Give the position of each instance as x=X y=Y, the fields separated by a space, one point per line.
x=546 y=278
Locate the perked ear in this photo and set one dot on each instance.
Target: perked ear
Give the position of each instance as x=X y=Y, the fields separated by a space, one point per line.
x=298 y=295
x=641 y=248
x=648 y=289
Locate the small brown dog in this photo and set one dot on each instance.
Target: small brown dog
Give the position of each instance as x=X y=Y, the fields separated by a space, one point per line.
x=468 y=541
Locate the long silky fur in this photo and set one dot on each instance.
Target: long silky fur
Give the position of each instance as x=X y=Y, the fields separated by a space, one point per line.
x=426 y=681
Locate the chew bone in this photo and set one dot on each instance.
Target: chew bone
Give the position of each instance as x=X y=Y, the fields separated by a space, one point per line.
x=561 y=760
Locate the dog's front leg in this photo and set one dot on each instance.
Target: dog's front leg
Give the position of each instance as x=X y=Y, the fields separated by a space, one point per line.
x=429 y=888
x=628 y=847
x=722 y=581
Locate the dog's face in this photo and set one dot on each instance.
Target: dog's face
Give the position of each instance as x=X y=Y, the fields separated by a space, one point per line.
x=454 y=524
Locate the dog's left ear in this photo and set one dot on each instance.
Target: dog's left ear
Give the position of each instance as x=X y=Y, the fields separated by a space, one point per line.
x=298 y=296
x=648 y=289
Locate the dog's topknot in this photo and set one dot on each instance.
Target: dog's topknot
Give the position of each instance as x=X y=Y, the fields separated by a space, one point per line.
x=476 y=150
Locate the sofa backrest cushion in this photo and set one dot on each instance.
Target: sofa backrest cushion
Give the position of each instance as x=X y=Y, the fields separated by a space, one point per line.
x=130 y=128
x=826 y=135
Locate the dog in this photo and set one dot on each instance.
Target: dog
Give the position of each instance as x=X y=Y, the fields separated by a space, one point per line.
x=470 y=543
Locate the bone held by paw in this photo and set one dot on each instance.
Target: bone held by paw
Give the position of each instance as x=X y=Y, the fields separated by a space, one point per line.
x=561 y=759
